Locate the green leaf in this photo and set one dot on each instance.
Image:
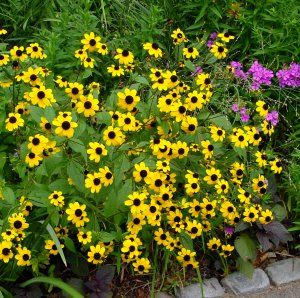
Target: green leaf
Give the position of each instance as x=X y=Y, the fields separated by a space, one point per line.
x=279 y=211
x=221 y=120
x=104 y=118
x=36 y=113
x=57 y=243
x=142 y=80
x=190 y=65
x=245 y=267
x=106 y=237
x=9 y=195
x=70 y=245
x=246 y=247
x=186 y=241
x=75 y=173
x=78 y=146
x=55 y=282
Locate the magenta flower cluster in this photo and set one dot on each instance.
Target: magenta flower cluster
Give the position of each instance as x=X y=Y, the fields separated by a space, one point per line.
x=245 y=117
x=289 y=77
x=272 y=117
x=212 y=38
x=258 y=74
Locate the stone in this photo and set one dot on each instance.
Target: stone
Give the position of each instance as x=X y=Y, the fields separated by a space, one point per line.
x=238 y=283
x=163 y=295
x=211 y=287
x=284 y=271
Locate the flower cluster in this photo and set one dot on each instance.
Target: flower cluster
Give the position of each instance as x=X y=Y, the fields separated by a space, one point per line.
x=151 y=155
x=289 y=77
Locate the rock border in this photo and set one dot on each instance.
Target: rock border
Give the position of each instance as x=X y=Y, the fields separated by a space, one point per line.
x=277 y=274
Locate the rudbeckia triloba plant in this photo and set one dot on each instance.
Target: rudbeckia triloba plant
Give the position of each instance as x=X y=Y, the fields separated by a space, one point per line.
x=130 y=159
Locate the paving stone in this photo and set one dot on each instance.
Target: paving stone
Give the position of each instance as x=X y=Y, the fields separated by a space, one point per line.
x=212 y=289
x=284 y=271
x=238 y=283
x=163 y=295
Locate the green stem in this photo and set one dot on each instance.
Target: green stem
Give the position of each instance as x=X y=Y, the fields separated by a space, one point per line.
x=154 y=272
x=166 y=257
x=200 y=281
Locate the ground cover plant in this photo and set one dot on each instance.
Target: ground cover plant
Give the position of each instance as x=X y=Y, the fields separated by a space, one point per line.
x=147 y=163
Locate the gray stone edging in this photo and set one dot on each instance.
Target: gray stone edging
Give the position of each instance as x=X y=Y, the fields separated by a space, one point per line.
x=278 y=273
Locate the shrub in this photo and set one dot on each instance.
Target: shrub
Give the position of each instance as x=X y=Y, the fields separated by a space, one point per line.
x=129 y=159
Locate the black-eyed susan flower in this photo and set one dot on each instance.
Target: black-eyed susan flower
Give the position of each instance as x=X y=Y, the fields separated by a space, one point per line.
x=161 y=84
x=227 y=250
x=262 y=108
x=88 y=62
x=222 y=186
x=115 y=70
x=190 y=52
x=203 y=81
x=140 y=172
x=130 y=246
x=14 y=121
x=136 y=223
x=217 y=133
x=219 y=50
x=261 y=159
x=87 y=105
x=250 y=214
x=244 y=196
x=22 y=108
x=228 y=210
x=18 y=53
x=141 y=265
x=127 y=122
x=155 y=74
x=8 y=235
x=42 y=97
x=96 y=254
x=124 y=56
x=207 y=206
x=23 y=256
x=185 y=256
x=103 y=49
x=3 y=31
x=33 y=159
x=17 y=222
x=194 y=229
x=225 y=37
x=136 y=202
x=77 y=214
x=208 y=149
x=37 y=143
x=194 y=101
x=260 y=184
x=84 y=237
x=161 y=237
x=113 y=136
x=34 y=51
x=276 y=165
x=4 y=59
x=128 y=99
x=254 y=136
x=267 y=128
x=6 y=251
x=93 y=181
x=266 y=216
x=91 y=42
x=74 y=91
x=153 y=49
x=81 y=54
x=51 y=247
x=178 y=36
x=189 y=125
x=214 y=243
x=65 y=127
x=106 y=176
x=212 y=175
x=57 y=199
x=95 y=151
x=61 y=232
x=239 y=138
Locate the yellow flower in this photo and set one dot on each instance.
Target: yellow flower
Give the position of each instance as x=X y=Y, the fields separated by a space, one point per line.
x=153 y=49
x=113 y=136
x=142 y=265
x=57 y=199
x=84 y=237
x=77 y=214
x=23 y=256
x=17 y=222
x=95 y=151
x=124 y=56
x=88 y=105
x=190 y=52
x=266 y=216
x=115 y=70
x=214 y=243
x=14 y=121
x=276 y=166
x=96 y=254
x=250 y=214
x=226 y=250
x=64 y=125
x=178 y=37
x=51 y=247
x=93 y=182
x=18 y=53
x=91 y=42
x=5 y=251
x=219 y=50
x=225 y=37
x=4 y=59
